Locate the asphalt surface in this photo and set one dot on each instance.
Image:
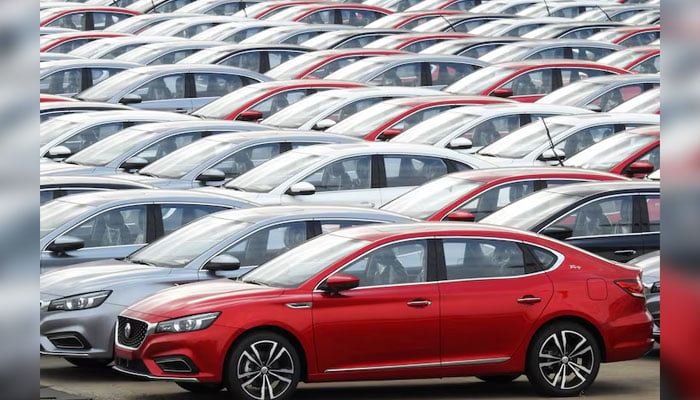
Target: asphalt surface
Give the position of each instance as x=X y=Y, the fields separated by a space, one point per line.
x=638 y=379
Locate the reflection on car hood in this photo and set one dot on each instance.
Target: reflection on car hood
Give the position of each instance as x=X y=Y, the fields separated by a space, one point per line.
x=258 y=198
x=57 y=168
x=154 y=181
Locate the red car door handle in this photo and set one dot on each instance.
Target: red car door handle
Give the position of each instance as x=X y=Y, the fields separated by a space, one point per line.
x=419 y=303
x=529 y=300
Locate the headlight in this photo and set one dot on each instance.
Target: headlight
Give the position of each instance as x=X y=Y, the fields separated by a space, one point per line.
x=190 y=323
x=79 y=302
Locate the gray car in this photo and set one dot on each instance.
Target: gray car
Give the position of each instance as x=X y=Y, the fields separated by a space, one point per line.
x=650 y=264
x=140 y=23
x=224 y=244
x=180 y=88
x=113 y=224
x=53 y=187
x=53 y=109
x=188 y=27
x=109 y=48
x=255 y=57
x=70 y=77
x=133 y=148
x=577 y=49
x=214 y=160
x=293 y=34
x=166 y=52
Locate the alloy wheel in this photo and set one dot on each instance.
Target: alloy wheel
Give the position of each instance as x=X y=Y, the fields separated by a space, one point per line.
x=265 y=370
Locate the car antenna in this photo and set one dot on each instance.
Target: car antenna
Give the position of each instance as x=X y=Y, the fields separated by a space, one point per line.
x=549 y=13
x=551 y=142
x=448 y=23
x=606 y=14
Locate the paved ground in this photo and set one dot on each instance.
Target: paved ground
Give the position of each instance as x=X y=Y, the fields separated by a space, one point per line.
x=638 y=380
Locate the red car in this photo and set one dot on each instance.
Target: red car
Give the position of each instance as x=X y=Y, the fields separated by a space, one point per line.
x=84 y=18
x=66 y=42
x=629 y=36
x=43 y=97
x=409 y=19
x=634 y=153
x=319 y=64
x=397 y=301
x=342 y=14
x=642 y=59
x=389 y=118
x=260 y=100
x=414 y=42
x=529 y=80
x=473 y=195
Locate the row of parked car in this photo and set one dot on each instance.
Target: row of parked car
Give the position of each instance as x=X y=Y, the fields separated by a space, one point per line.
x=250 y=194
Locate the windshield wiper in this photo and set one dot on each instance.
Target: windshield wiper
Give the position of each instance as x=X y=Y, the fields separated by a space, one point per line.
x=255 y=282
x=235 y=188
x=148 y=174
x=140 y=262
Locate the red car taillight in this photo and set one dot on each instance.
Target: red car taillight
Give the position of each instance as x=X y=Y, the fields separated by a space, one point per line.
x=632 y=286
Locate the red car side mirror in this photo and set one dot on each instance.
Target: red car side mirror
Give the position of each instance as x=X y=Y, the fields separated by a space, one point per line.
x=502 y=92
x=461 y=215
x=250 y=115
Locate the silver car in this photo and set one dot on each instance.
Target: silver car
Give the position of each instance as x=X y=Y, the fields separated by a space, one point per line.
x=115 y=223
x=53 y=187
x=216 y=7
x=255 y=57
x=109 y=48
x=180 y=88
x=133 y=148
x=235 y=32
x=63 y=136
x=70 y=77
x=140 y=23
x=225 y=244
x=292 y=34
x=556 y=48
x=166 y=52
x=188 y=27
x=366 y=174
x=216 y=159
x=53 y=109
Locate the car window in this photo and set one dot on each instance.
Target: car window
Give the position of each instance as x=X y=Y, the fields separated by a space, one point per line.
x=62 y=82
x=119 y=227
x=570 y=75
x=478 y=51
x=175 y=216
x=171 y=5
x=653 y=213
x=420 y=116
x=444 y=73
x=268 y=243
x=419 y=45
x=359 y=41
x=102 y=20
x=71 y=21
x=92 y=135
x=163 y=88
x=557 y=52
x=279 y=101
x=119 y=51
x=100 y=74
x=70 y=45
x=330 y=67
x=550 y=183
x=589 y=53
x=415 y=22
x=546 y=258
x=243 y=161
x=243 y=34
x=649 y=66
x=277 y=57
x=582 y=33
x=607 y=216
x=195 y=29
x=489 y=131
x=462 y=5
x=319 y=17
x=483 y=258
x=496 y=198
x=531 y=83
x=46 y=195
x=226 y=9
x=348 y=174
x=358 y=17
x=653 y=157
x=328 y=226
x=412 y=170
x=301 y=37
x=395 y=264
x=216 y=85
x=585 y=138
x=614 y=97
x=173 y=57
x=249 y=60
x=352 y=108
x=166 y=146
x=402 y=75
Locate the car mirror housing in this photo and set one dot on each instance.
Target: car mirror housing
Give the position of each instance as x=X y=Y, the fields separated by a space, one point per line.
x=552 y=155
x=641 y=167
x=502 y=92
x=58 y=152
x=131 y=98
x=558 y=232
x=324 y=124
x=223 y=262
x=250 y=115
x=301 y=189
x=65 y=243
x=460 y=143
x=461 y=215
x=211 y=175
x=340 y=282
x=134 y=163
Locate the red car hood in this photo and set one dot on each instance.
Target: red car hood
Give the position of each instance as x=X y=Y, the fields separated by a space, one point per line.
x=196 y=298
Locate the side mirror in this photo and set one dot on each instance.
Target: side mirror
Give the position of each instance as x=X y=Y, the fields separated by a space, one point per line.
x=223 y=262
x=324 y=124
x=558 y=232
x=134 y=163
x=131 y=98
x=502 y=92
x=460 y=143
x=301 y=189
x=552 y=155
x=461 y=215
x=339 y=282
x=250 y=115
x=211 y=175
x=594 y=107
x=641 y=167
x=65 y=243
x=58 y=152
x=389 y=134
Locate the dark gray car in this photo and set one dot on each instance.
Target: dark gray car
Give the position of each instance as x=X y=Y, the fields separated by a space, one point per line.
x=650 y=264
x=224 y=244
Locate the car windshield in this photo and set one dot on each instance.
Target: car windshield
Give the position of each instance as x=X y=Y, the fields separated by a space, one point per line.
x=357 y=70
x=574 y=94
x=56 y=127
x=58 y=212
x=610 y=152
x=524 y=141
x=527 y=212
x=288 y=14
x=322 y=40
x=387 y=42
x=360 y=124
x=389 y=21
x=179 y=248
x=305 y=109
x=432 y=130
x=608 y=35
x=106 y=150
x=180 y=162
x=206 y=56
x=445 y=47
x=480 y=80
x=91 y=49
x=271 y=35
x=223 y=106
x=141 y=55
x=274 y=172
x=296 y=66
x=302 y=263
x=509 y=52
x=622 y=58
x=647 y=102
x=108 y=88
x=545 y=32
x=426 y=200
x=492 y=28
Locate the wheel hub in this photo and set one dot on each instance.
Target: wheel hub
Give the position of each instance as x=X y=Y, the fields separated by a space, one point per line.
x=565 y=360
x=264 y=370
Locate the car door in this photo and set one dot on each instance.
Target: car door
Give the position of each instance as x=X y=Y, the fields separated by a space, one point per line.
x=94 y=75
x=491 y=294
x=651 y=220
x=493 y=199
x=210 y=86
x=408 y=74
x=112 y=233
x=388 y=325
x=443 y=74
x=401 y=173
x=277 y=57
x=166 y=93
x=242 y=161
x=531 y=85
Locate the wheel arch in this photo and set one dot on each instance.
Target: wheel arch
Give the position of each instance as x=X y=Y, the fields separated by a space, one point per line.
x=592 y=328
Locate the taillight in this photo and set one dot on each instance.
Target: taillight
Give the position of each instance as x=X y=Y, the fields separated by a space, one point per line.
x=632 y=286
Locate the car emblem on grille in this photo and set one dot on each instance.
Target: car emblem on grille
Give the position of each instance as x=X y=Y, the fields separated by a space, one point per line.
x=127 y=330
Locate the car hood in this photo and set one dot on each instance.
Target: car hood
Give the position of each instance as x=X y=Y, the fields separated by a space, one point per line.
x=59 y=168
x=98 y=275
x=151 y=180
x=201 y=297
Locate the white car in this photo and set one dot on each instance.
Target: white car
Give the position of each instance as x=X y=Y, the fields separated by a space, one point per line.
x=468 y=129
x=530 y=145
x=366 y=174
x=322 y=110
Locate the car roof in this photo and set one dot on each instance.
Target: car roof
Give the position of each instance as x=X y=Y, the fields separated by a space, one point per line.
x=101 y=198
x=624 y=78
x=447 y=98
x=293 y=212
x=88 y=180
x=506 y=108
x=382 y=90
x=653 y=130
x=592 y=118
x=272 y=85
x=398 y=58
x=376 y=232
x=168 y=68
x=596 y=188
x=123 y=115
x=550 y=63
x=86 y=63
x=271 y=135
x=259 y=46
x=174 y=126
x=183 y=44
x=77 y=105
x=515 y=173
x=366 y=147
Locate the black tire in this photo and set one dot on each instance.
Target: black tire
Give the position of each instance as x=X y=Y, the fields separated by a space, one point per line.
x=577 y=367
x=277 y=369
x=499 y=379
x=196 y=387
x=89 y=362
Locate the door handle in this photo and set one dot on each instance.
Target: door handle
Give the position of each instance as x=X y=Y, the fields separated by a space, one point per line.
x=181 y=111
x=419 y=303
x=625 y=252
x=367 y=204
x=529 y=299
